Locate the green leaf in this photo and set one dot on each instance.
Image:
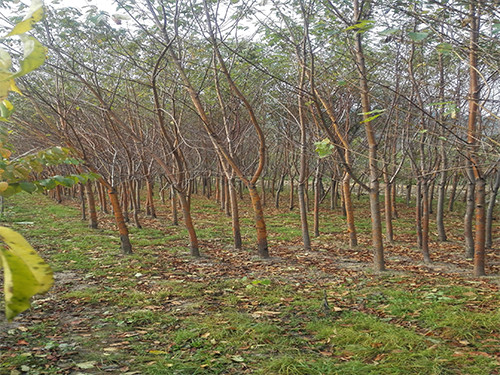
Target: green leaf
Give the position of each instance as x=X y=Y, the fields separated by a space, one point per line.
x=376 y=113
x=28 y=187
x=324 y=148
x=6 y=109
x=389 y=31
x=362 y=26
x=444 y=48
x=25 y=273
x=418 y=36
x=495 y=28
x=48 y=183
x=35 y=14
x=34 y=55
x=64 y=181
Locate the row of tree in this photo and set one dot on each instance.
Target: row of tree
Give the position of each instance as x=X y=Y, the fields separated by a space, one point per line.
x=364 y=92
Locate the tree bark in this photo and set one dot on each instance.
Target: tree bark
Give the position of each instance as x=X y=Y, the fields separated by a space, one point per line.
x=91 y=203
x=120 y=222
x=188 y=222
x=490 y=209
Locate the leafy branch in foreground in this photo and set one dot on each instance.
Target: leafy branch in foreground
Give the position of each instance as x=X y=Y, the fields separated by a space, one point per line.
x=25 y=272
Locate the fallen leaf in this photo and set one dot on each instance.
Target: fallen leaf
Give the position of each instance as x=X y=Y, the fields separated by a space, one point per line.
x=86 y=365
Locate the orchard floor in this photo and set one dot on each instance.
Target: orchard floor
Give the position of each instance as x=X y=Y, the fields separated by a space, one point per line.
x=160 y=311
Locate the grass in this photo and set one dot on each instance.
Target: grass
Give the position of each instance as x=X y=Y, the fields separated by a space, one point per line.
x=161 y=312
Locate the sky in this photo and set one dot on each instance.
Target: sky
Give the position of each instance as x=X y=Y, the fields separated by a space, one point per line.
x=106 y=5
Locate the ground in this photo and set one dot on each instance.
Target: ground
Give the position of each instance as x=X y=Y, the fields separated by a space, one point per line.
x=324 y=311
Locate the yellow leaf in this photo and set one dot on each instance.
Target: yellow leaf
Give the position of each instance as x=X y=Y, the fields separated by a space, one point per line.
x=3 y=151
x=13 y=87
x=25 y=273
x=35 y=14
x=3 y=186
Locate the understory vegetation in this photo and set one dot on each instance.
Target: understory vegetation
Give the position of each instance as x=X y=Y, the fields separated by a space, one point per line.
x=324 y=311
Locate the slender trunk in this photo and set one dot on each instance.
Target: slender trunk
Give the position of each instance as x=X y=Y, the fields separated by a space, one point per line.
x=260 y=224
x=317 y=197
x=389 y=233
x=227 y=204
x=431 y=196
x=173 y=208
x=58 y=196
x=425 y=220
x=235 y=216
x=263 y=190
x=468 y=219
x=120 y=222
x=134 y=200
x=188 y=222
x=91 y=203
x=138 y=188
x=278 y=191
x=150 y=192
x=125 y=202
x=102 y=198
x=378 y=246
x=394 y=208
x=82 y=201
x=408 y=194
x=292 y=188
x=333 y=191
x=453 y=192
x=440 y=203
x=222 y=190
x=349 y=210
x=480 y=235
x=489 y=211
x=418 y=213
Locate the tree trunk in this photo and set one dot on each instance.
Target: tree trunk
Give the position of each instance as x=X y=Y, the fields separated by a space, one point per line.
x=260 y=224
x=278 y=191
x=82 y=202
x=440 y=203
x=133 y=199
x=317 y=198
x=91 y=203
x=480 y=235
x=453 y=192
x=394 y=208
x=235 y=215
x=150 y=192
x=120 y=222
x=102 y=198
x=425 y=220
x=227 y=204
x=468 y=219
x=349 y=210
x=173 y=208
x=389 y=232
x=418 y=213
x=408 y=194
x=292 y=188
x=378 y=246
x=188 y=222
x=489 y=211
